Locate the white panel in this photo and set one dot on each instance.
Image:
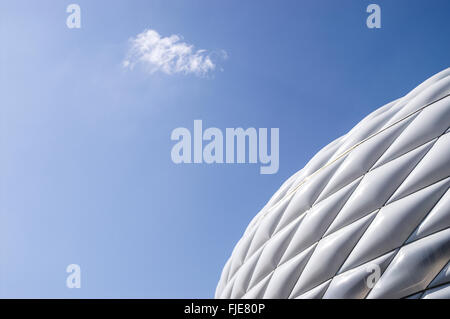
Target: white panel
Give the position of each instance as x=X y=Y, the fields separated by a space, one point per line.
x=223 y=279
x=376 y=187
x=432 y=93
x=394 y=223
x=362 y=158
x=315 y=293
x=307 y=194
x=437 y=293
x=257 y=292
x=266 y=228
x=429 y=124
x=414 y=267
x=355 y=283
x=243 y=276
x=437 y=219
x=442 y=278
x=228 y=287
x=329 y=255
x=239 y=253
x=427 y=83
x=317 y=220
x=434 y=167
x=272 y=252
x=287 y=274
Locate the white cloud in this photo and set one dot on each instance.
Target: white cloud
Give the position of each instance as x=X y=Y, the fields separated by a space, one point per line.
x=169 y=55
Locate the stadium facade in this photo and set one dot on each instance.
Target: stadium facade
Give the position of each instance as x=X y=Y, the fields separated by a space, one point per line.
x=367 y=217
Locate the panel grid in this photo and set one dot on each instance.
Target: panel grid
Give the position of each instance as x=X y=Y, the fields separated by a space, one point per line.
x=399 y=157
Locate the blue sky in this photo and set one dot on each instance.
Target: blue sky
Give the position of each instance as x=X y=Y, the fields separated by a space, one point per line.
x=86 y=172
